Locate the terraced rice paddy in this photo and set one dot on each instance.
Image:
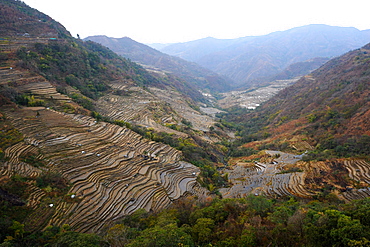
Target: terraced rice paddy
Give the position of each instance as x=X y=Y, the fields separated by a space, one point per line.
x=266 y=179
x=252 y=98
x=176 y=100
x=359 y=171
x=113 y=171
x=270 y=180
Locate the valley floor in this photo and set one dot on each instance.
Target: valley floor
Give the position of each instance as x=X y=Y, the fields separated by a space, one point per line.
x=252 y=98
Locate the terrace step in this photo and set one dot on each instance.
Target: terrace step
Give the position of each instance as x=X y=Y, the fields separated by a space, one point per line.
x=35 y=196
x=114 y=171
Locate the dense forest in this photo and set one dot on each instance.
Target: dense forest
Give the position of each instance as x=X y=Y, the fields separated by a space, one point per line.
x=251 y=221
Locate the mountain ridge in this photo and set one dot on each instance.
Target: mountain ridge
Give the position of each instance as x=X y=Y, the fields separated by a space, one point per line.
x=253 y=58
x=191 y=72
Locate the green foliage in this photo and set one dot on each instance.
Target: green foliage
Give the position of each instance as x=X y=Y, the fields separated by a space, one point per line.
x=259 y=205
x=137 y=220
x=282 y=213
x=29 y=100
x=123 y=123
x=16 y=186
x=334 y=228
x=8 y=136
x=202 y=230
x=248 y=238
x=311 y=117
x=18 y=229
x=223 y=124
x=3 y=59
x=119 y=235
x=74 y=239
x=360 y=210
x=100 y=117
x=52 y=181
x=330 y=147
x=252 y=221
x=281 y=146
x=83 y=101
x=187 y=123
x=13 y=209
x=33 y=160
x=51 y=236
x=63 y=63
x=166 y=236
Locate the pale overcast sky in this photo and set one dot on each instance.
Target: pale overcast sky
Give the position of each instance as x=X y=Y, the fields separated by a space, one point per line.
x=167 y=21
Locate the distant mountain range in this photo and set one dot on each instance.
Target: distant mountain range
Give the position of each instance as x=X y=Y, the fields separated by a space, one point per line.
x=189 y=71
x=250 y=60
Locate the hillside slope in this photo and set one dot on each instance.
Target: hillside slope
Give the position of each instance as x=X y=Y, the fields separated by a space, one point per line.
x=59 y=162
x=330 y=108
x=192 y=73
x=252 y=59
x=21 y=20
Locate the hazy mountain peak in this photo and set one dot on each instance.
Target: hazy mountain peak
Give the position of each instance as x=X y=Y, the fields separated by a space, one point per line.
x=249 y=60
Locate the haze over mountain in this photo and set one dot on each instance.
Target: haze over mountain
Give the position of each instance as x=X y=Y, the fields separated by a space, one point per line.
x=196 y=49
x=194 y=74
x=298 y=69
x=251 y=59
